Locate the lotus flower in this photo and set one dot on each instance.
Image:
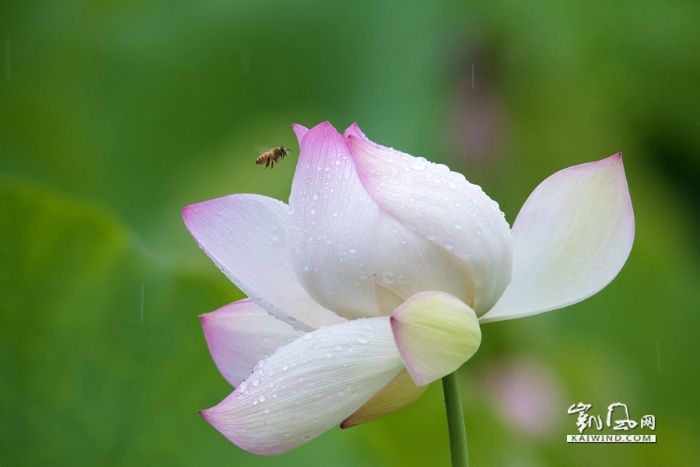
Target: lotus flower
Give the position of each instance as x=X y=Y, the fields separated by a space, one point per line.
x=374 y=280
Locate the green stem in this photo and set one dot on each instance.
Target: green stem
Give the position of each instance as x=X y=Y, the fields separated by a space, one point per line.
x=455 y=421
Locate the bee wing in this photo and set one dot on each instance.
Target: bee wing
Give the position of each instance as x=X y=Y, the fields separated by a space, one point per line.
x=262 y=149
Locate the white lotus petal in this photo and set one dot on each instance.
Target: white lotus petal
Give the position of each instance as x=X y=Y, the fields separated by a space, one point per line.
x=241 y=334
x=571 y=238
x=442 y=206
x=308 y=386
x=435 y=333
x=407 y=263
x=332 y=226
x=396 y=395
x=245 y=236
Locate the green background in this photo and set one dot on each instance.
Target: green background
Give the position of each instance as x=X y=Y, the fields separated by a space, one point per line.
x=115 y=114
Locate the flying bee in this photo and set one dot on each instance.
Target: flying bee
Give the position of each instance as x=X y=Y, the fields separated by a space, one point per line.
x=273 y=156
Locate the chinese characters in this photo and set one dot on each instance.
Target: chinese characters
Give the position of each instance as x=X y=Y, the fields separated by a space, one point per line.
x=586 y=420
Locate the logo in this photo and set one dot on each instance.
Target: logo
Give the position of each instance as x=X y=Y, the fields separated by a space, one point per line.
x=613 y=420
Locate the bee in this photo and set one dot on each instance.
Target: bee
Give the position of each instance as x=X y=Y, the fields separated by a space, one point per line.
x=273 y=156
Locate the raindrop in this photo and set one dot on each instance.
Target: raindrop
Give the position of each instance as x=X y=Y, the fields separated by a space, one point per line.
x=363 y=340
x=388 y=277
x=255 y=382
x=286 y=366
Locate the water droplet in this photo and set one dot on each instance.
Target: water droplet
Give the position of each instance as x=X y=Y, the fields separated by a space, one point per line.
x=362 y=340
x=262 y=398
x=285 y=367
x=312 y=211
x=255 y=382
x=388 y=277
x=352 y=250
x=255 y=401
